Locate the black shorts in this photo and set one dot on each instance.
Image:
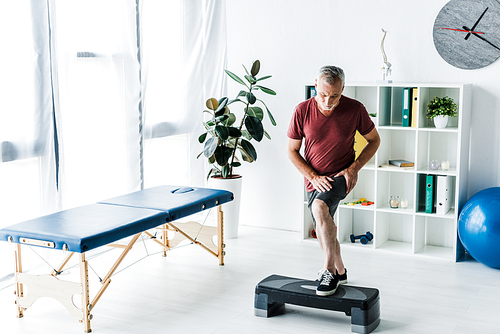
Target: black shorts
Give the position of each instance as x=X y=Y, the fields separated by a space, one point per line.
x=332 y=197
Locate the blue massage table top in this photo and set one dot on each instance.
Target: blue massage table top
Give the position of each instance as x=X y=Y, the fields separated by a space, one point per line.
x=178 y=202
x=87 y=227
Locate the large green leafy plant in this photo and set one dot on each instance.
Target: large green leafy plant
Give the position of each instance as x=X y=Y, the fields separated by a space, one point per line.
x=226 y=135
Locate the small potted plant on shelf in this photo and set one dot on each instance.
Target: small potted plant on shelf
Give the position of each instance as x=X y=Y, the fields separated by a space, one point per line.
x=227 y=140
x=439 y=109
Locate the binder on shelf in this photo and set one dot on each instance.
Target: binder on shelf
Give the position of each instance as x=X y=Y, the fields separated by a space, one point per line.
x=312 y=91
x=414 y=110
x=406 y=107
x=359 y=143
x=401 y=163
x=443 y=194
x=429 y=194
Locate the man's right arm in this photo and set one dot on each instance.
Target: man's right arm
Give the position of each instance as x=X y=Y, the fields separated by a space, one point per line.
x=320 y=183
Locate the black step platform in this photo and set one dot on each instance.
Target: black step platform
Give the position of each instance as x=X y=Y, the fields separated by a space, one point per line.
x=361 y=304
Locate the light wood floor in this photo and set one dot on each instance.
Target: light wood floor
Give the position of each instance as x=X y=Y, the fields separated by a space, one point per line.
x=188 y=292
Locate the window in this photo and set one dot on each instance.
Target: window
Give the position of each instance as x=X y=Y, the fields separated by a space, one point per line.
x=166 y=152
x=102 y=97
x=99 y=93
x=22 y=166
x=20 y=118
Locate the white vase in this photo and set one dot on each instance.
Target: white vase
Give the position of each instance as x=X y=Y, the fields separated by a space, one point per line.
x=440 y=121
x=231 y=210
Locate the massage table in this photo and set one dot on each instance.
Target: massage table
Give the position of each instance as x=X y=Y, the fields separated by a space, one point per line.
x=85 y=228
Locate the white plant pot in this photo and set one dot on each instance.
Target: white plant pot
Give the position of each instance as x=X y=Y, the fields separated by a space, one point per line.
x=231 y=210
x=440 y=122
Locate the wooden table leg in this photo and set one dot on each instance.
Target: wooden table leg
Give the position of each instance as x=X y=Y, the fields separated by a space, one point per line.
x=84 y=278
x=19 y=286
x=220 y=235
x=165 y=240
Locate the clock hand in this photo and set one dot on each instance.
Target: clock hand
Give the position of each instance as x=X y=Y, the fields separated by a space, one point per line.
x=475 y=24
x=481 y=37
x=474 y=32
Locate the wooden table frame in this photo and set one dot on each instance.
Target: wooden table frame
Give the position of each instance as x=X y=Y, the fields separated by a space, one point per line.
x=51 y=286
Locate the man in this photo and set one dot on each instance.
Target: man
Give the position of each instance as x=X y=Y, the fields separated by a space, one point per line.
x=328 y=123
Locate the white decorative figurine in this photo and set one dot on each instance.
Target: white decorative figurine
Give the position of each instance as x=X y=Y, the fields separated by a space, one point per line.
x=386 y=68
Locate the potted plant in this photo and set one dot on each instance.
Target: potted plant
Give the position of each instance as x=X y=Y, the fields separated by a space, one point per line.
x=439 y=109
x=227 y=139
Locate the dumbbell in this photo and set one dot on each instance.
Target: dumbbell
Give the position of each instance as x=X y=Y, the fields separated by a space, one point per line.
x=363 y=238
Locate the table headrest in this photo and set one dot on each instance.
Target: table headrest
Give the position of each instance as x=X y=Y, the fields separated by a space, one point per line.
x=182 y=190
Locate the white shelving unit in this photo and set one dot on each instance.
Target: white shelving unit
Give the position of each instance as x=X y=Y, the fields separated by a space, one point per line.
x=410 y=230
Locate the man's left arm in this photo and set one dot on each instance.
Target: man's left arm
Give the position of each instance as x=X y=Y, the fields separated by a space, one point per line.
x=351 y=173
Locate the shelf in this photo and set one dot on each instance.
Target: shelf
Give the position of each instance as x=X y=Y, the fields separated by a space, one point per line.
x=450 y=215
x=444 y=253
x=357 y=244
x=433 y=129
x=358 y=207
x=395 y=169
x=452 y=171
x=409 y=231
x=396 y=144
x=386 y=208
x=310 y=239
x=365 y=187
x=369 y=166
x=397 y=247
x=396 y=128
x=355 y=222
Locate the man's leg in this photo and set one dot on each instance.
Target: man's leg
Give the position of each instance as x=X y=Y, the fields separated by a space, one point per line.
x=326 y=232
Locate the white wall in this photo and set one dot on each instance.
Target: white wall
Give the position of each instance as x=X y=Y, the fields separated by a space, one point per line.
x=294 y=38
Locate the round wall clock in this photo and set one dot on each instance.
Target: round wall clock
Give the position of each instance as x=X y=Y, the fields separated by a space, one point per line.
x=467 y=33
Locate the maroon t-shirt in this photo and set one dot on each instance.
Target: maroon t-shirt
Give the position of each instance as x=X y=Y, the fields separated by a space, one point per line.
x=329 y=141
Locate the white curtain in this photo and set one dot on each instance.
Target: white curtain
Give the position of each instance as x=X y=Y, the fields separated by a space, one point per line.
x=102 y=97
x=99 y=92
x=27 y=172
x=182 y=70
x=28 y=177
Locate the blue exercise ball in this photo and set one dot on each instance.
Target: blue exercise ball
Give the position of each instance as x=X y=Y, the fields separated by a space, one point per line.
x=479 y=226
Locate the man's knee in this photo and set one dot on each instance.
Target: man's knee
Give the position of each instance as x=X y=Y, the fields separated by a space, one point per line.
x=318 y=207
x=320 y=210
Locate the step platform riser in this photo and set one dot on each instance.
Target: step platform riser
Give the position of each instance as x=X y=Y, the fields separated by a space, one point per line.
x=360 y=303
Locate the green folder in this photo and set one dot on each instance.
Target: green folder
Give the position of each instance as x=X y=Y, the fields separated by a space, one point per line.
x=406 y=107
x=429 y=193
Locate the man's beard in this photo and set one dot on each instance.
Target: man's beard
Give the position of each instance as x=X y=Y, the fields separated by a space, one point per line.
x=324 y=107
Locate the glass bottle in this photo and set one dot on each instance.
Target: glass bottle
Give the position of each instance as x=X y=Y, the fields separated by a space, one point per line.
x=394 y=202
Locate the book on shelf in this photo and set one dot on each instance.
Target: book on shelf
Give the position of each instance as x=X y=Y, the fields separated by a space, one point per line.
x=394 y=167
x=401 y=163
